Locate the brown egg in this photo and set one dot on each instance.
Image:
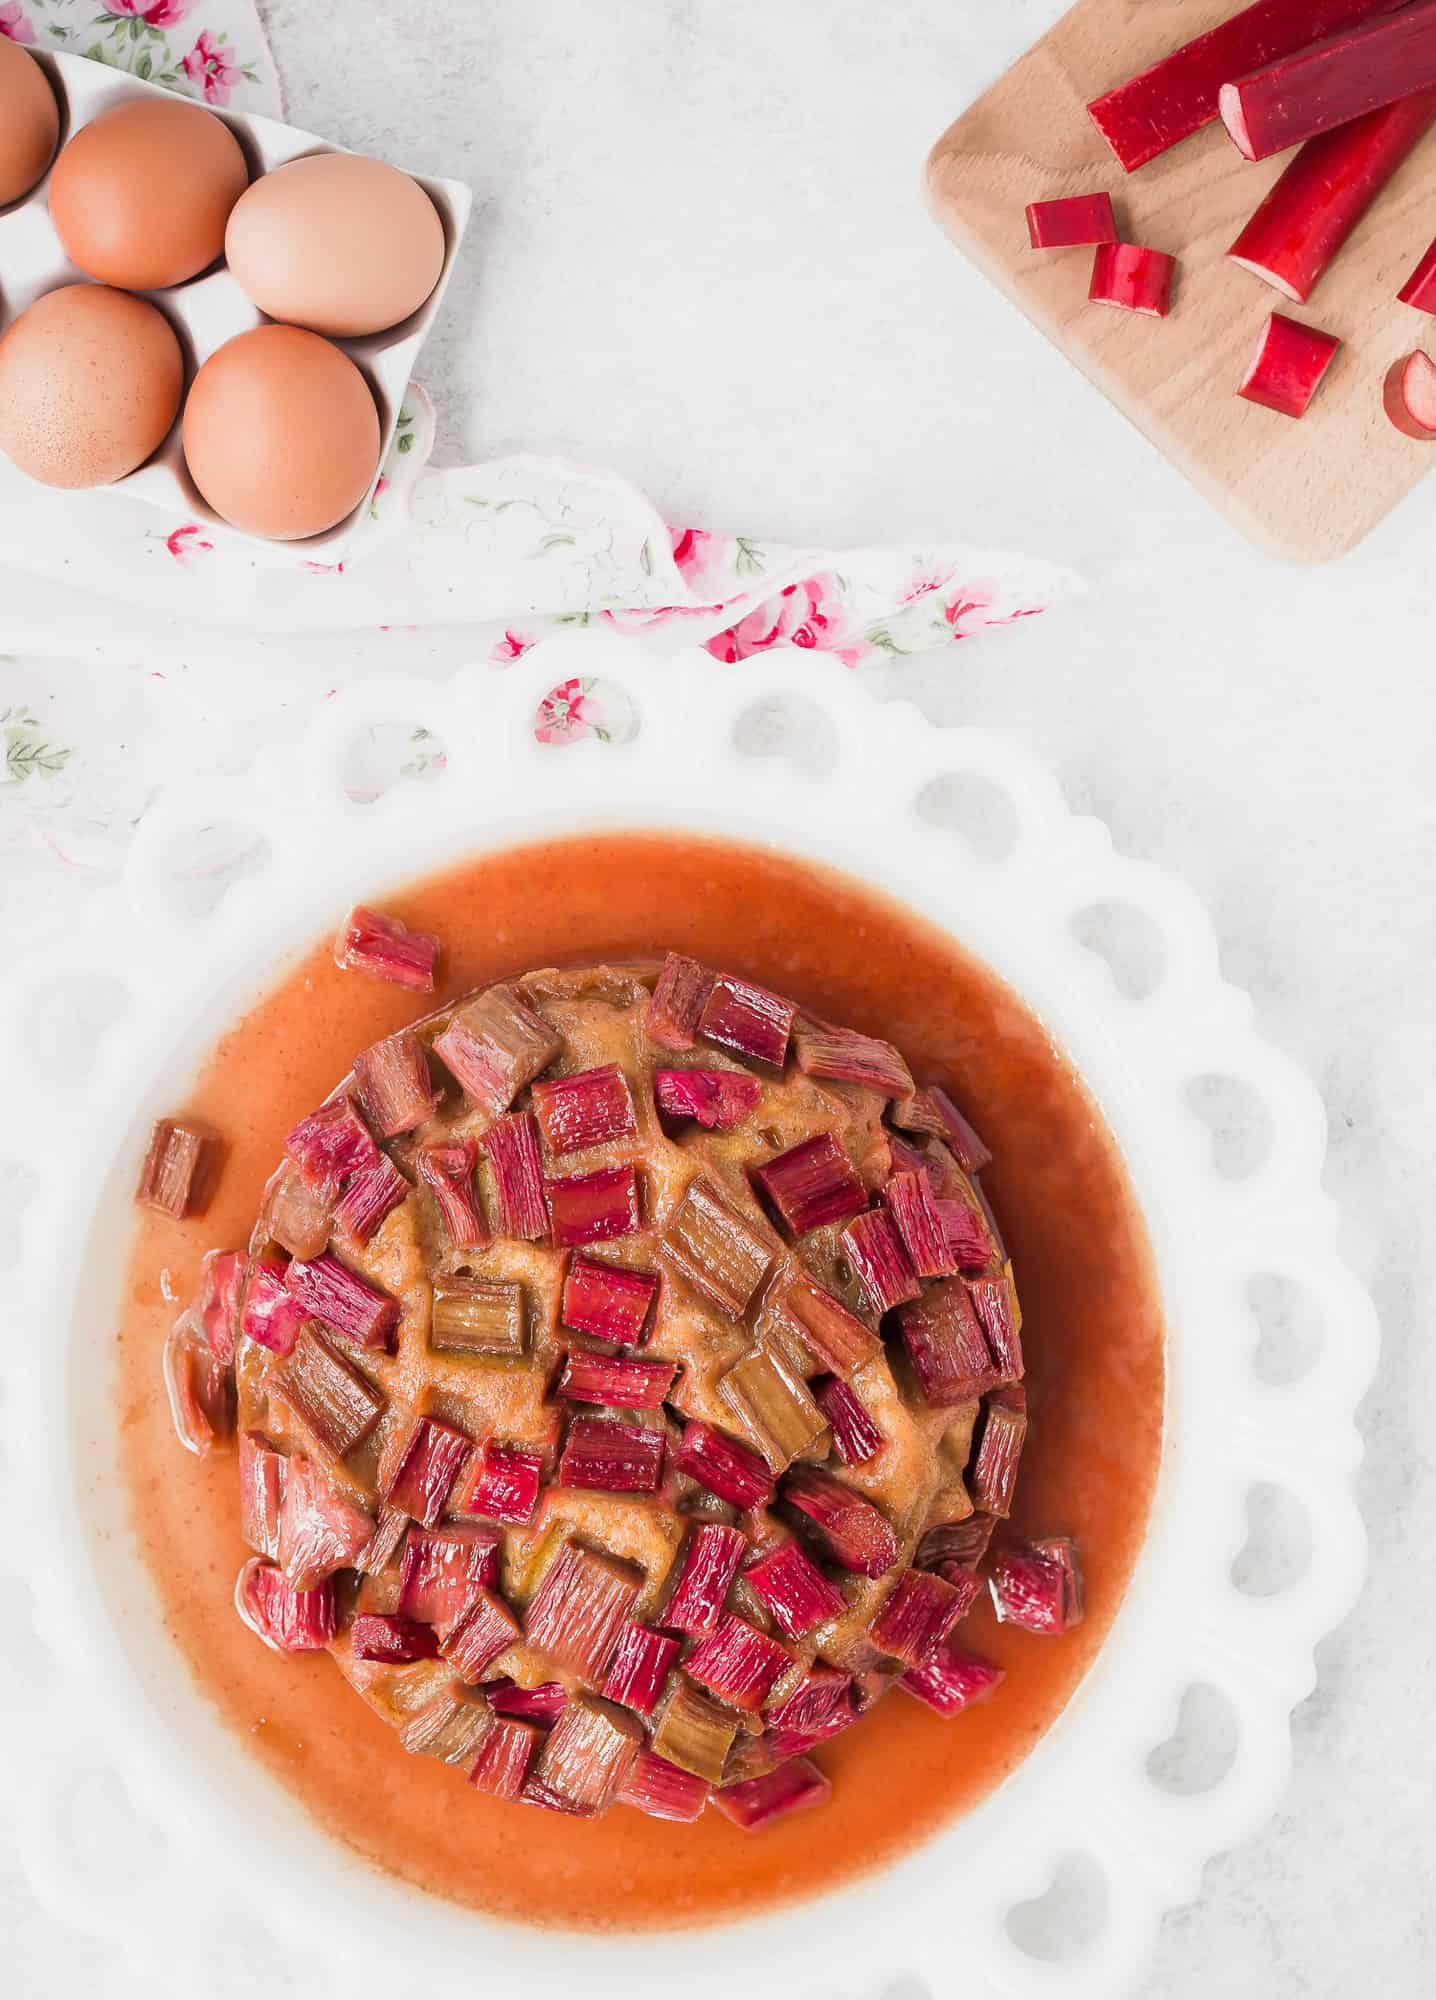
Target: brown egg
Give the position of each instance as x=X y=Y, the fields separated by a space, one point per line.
x=344 y=245
x=281 y=435
x=29 y=121
x=140 y=196
x=90 y=382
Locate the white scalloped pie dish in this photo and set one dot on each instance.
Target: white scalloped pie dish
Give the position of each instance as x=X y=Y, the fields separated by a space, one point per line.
x=114 y=1732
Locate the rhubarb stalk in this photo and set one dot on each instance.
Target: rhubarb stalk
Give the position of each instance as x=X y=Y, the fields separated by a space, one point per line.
x=757 y=1802
x=711 y=1243
x=607 y=1301
x=1071 y=220
x=587 y=1109
x=512 y=1146
x=1420 y=288
x=1318 y=88
x=580 y=1609
x=386 y=949
x=180 y=1168
x=394 y=1084
x=448 y=1173
x=1286 y=370
x=1409 y=396
x=1136 y=279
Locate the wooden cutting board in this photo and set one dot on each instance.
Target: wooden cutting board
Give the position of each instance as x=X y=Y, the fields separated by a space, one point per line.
x=1306 y=490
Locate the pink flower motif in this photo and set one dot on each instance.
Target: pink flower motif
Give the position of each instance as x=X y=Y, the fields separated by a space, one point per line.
x=568 y=712
x=511 y=647
x=923 y=583
x=812 y=615
x=154 y=13
x=13 y=24
x=186 y=542
x=966 y=612
x=212 y=66
x=325 y=569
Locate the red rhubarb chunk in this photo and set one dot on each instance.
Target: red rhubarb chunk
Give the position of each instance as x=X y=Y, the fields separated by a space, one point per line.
x=956 y=1544
x=506 y=1757
x=738 y=1663
x=580 y=1608
x=484 y=1630
x=543 y=1705
x=856 y=1438
x=588 y=1109
x=370 y=1197
x=386 y=949
x=995 y=1302
x=504 y=1485
x=875 y=1250
x=448 y=1174
x=330 y=1144
x=271 y=1314
x=585 y=1758
x=710 y=1564
x=848 y=1057
x=639 y=1669
x=443 y=1570
x=946 y=1346
x=338 y=1403
x=952 y=1680
x=999 y=1452
x=1300 y=95
x=818 y=1707
x=679 y=997
x=385 y=1543
x=932 y=1111
x=1037 y=1587
x=724 y=1466
x=793 y=1589
x=836 y=1339
x=747 y=1019
x=712 y=1245
x=757 y=1802
x=965 y=1230
x=607 y=1456
x=393 y=1641
x=286 y=1619
x=618 y=1381
x=608 y=1301
x=200 y=1390
x=1071 y=219
x=1137 y=279
x=180 y=1168
x=919 y=1223
x=662 y=1790
x=395 y=1087
x=1286 y=370
x=215 y=1312
x=494 y=1046
x=296 y=1215
x=917 y=1617
x=812 y=1184
x=320 y=1529
x=593 y=1208
x=331 y=1292
x=1409 y=395
x=262 y=1473
x=512 y=1146
x=432 y=1461
x=1420 y=288
x=718 y=1099
x=851 y=1530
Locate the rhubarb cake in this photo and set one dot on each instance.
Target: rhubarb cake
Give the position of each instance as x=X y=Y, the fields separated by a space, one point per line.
x=626 y=1375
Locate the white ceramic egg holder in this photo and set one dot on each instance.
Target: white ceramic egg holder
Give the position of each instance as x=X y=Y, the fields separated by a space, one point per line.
x=211 y=308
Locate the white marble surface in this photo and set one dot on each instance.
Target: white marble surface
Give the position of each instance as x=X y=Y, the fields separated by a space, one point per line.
x=700 y=255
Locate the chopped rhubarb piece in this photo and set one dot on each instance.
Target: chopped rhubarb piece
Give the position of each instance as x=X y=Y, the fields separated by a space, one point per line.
x=819 y=1706
x=505 y=1759
x=331 y=1144
x=298 y=1216
x=952 y=1680
x=214 y=1315
x=773 y=1406
x=200 y=1390
x=618 y=1381
x=587 y=1109
x=286 y=1619
x=586 y=1757
x=607 y=1456
x=1409 y=395
x=385 y=1543
x=477 y=1316
x=792 y=1587
x=180 y=1168
x=386 y=949
x=918 y=1616
x=724 y=1466
x=1069 y=220
x=607 y=1300
x=1309 y=212
x=537 y=1793
x=1037 y=1588
x=1288 y=365
x=812 y=1184
x=875 y=1250
x=392 y=1640
x=856 y=1438
x=512 y=1146
x=662 y=1790
x=1062 y=1550
x=431 y=1463
x=679 y=996
x=919 y=1223
x=338 y=1404
x=932 y=1111
x=505 y=1484
x=350 y=1305
x=1178 y=95
x=448 y=1173
x=848 y=1057
x=396 y=1089
x=999 y=1451
x=444 y=1569
x=543 y=1705
x=995 y=1301
x=851 y=1530
x=718 y=1099
x=262 y=1474
x=370 y=1198
x=693 y=1732
x=836 y=1340
x=1420 y=288
x=494 y=1046
x=451 y=1725
x=580 y=1608
x=1317 y=88
x=956 y=1544
x=270 y=1313
x=639 y=1669
x=738 y=1663
x=320 y=1529
x=716 y=1248
x=946 y=1345
x=484 y=1630
x=748 y=1019
x=593 y=1208
x=965 y=1230
x=1131 y=276
x=710 y=1564
x=757 y=1802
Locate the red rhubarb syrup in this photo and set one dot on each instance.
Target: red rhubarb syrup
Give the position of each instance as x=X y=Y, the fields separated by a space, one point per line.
x=1093 y=1338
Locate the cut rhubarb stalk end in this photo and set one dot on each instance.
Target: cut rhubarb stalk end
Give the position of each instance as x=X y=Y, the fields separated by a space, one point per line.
x=946 y=1346
x=875 y=1250
x=640 y=1668
x=1420 y=288
x=789 y=1584
x=932 y=1111
x=773 y=1406
x=431 y=1462
x=919 y=1223
x=718 y=1099
x=607 y=1456
x=448 y=1174
x=917 y=1617
x=331 y=1144
x=320 y=1529
x=296 y=1215
x=812 y=1184
x=856 y=1438
x=585 y=1757
x=200 y=1390
x=506 y=1758
x=1178 y=95
x=1037 y=1587
x=270 y=1312
x=852 y=1532
x=1071 y=220
x=710 y=1564
x=952 y=1680
x=386 y=949
x=1130 y=276
x=214 y=1315
x=587 y=1109
x=1288 y=365
x=484 y=1631
x=715 y=1248
x=392 y=1640
x=757 y=1802
x=836 y=1340
x=959 y=1544
x=395 y=1087
x=679 y=997
x=337 y=1404
x=738 y=1663
x=618 y=1381
x=580 y=1609
x=819 y=1706
x=451 y=1726
x=1301 y=95
x=385 y=1543
x=512 y=1146
x=999 y=1452
x=370 y=1197
x=660 y=1789
x=723 y=1466
x=443 y=1570
x=693 y=1732
x=180 y=1168
x=1409 y=395
x=593 y=1208
x=747 y=1019
x=995 y=1302
x=505 y=1484
x=543 y=1705
x=848 y=1057
x=261 y=1493
x=494 y=1045
x=478 y=1316
x=608 y=1301
x=286 y=1619
x=966 y=1232
x=329 y=1291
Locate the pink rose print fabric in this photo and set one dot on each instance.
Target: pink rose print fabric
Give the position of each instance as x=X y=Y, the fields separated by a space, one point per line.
x=213 y=50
